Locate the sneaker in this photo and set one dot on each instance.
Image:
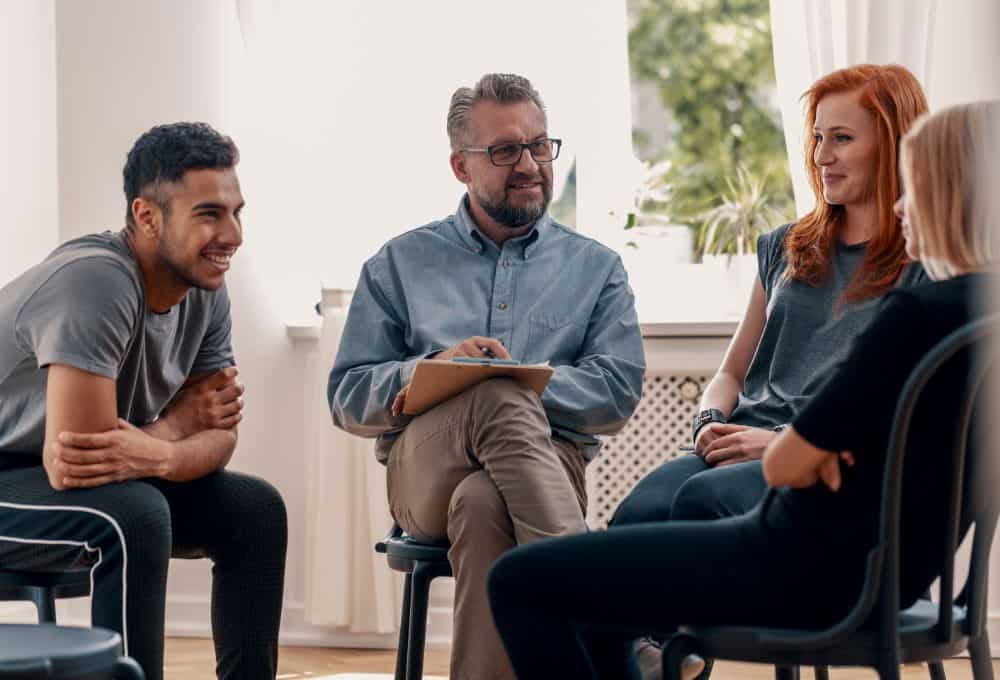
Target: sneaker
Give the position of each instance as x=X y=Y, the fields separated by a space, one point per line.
x=649 y=654
x=692 y=666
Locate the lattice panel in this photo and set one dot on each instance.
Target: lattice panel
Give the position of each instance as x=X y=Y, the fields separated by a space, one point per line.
x=661 y=424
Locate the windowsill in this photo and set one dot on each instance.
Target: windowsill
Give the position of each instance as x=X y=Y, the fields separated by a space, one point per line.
x=308 y=332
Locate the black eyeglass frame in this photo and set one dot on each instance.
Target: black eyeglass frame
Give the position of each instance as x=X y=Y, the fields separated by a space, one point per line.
x=556 y=147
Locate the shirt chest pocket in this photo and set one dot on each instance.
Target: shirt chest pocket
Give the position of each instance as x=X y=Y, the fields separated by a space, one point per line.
x=553 y=337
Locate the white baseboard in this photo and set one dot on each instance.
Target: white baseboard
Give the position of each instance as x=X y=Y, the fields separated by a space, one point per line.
x=189 y=616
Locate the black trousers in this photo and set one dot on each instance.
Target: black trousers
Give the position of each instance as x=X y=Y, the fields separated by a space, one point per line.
x=127 y=533
x=569 y=607
x=686 y=488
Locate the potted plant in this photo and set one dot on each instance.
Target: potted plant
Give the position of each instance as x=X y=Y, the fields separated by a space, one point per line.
x=728 y=232
x=731 y=228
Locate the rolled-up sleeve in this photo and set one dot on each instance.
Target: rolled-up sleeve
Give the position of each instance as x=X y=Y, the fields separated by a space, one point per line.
x=372 y=363
x=598 y=393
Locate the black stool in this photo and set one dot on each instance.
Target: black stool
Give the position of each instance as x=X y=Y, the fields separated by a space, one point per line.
x=422 y=563
x=43 y=587
x=47 y=651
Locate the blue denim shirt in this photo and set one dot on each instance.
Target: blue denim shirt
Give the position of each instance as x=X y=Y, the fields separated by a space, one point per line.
x=550 y=295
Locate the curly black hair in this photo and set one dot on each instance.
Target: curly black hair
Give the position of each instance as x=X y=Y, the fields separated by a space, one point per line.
x=164 y=153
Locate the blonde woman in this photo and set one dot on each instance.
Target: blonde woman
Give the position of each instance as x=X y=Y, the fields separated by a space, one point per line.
x=759 y=567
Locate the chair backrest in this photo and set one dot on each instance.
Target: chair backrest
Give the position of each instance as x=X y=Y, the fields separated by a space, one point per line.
x=975 y=342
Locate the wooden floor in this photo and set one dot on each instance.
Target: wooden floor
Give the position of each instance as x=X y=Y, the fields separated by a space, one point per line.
x=191 y=659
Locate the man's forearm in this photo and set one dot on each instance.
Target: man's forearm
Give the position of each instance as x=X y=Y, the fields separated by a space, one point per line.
x=595 y=397
x=162 y=428
x=200 y=454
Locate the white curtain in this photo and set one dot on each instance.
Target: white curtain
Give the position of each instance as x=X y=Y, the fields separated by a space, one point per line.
x=814 y=37
x=347 y=583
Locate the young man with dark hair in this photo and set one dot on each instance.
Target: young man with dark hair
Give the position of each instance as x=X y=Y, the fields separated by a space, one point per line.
x=119 y=407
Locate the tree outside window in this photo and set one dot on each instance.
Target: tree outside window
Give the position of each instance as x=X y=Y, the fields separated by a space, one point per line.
x=704 y=99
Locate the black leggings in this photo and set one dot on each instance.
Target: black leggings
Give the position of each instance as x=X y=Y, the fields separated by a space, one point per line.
x=127 y=534
x=569 y=607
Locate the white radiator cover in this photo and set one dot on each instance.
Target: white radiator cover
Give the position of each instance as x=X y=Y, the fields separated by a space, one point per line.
x=660 y=426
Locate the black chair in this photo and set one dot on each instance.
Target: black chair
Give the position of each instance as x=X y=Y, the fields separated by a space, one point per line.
x=43 y=588
x=875 y=632
x=49 y=652
x=422 y=563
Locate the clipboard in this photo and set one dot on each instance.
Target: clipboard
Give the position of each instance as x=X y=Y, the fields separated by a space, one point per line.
x=437 y=380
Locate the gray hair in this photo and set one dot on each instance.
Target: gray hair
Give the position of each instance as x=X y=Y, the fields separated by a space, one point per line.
x=502 y=88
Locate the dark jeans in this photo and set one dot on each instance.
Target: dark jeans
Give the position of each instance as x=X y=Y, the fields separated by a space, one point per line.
x=569 y=607
x=687 y=488
x=127 y=533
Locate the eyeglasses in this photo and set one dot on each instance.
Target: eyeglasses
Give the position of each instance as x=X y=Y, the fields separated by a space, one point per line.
x=541 y=150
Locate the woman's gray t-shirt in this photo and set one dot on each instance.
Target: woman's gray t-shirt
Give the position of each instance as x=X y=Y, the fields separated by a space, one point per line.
x=807 y=331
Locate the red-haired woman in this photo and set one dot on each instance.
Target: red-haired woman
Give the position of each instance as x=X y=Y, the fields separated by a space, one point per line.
x=818 y=281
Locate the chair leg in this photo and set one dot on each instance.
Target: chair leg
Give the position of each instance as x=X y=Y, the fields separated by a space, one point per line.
x=888 y=667
x=936 y=670
x=982 y=664
x=821 y=672
x=786 y=673
x=45 y=602
x=419 y=598
x=404 y=631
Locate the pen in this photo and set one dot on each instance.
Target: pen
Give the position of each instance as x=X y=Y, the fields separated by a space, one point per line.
x=488 y=353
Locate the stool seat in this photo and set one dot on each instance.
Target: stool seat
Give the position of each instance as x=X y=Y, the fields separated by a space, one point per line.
x=61 y=652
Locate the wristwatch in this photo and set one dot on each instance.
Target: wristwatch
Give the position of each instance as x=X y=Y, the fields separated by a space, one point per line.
x=710 y=415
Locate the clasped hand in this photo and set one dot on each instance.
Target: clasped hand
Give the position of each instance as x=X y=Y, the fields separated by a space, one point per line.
x=477 y=347
x=723 y=444
x=212 y=403
x=84 y=460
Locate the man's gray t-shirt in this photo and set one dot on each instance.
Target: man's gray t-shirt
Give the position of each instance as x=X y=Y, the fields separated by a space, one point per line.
x=84 y=306
x=808 y=330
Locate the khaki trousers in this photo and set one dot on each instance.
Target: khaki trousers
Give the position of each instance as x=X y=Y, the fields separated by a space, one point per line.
x=483 y=471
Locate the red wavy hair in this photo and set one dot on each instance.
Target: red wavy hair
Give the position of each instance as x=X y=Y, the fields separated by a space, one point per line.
x=895 y=99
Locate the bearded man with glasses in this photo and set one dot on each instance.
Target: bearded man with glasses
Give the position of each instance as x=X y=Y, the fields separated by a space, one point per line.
x=495 y=466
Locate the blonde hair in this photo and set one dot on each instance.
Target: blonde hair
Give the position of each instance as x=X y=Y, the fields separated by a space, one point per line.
x=951 y=167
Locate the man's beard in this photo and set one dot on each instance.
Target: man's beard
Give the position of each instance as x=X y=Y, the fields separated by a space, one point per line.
x=515 y=217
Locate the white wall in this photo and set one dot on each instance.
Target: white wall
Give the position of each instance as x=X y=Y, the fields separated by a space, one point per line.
x=28 y=187
x=125 y=65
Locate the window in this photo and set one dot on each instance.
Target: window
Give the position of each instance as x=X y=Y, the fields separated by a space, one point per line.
x=707 y=128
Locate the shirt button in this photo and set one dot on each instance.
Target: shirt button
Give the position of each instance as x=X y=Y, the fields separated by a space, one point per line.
x=506 y=263
x=502 y=306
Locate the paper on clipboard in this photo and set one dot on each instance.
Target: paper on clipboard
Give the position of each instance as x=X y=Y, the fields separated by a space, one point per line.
x=437 y=380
